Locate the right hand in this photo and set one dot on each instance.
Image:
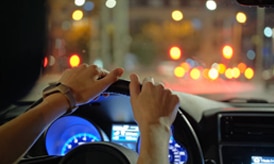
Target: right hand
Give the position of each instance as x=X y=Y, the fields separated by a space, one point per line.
x=152 y=104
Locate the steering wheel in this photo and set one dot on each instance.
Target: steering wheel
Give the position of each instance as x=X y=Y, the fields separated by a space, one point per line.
x=106 y=152
x=182 y=130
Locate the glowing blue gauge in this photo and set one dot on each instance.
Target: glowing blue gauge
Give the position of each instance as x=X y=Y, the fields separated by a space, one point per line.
x=177 y=154
x=77 y=140
x=68 y=132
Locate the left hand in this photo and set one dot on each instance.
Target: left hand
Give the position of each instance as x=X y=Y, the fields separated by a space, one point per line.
x=88 y=81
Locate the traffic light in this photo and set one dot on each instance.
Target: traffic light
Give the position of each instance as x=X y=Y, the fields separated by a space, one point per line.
x=227 y=52
x=74 y=60
x=175 y=53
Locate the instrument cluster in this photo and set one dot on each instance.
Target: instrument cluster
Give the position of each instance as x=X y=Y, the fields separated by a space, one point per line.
x=70 y=131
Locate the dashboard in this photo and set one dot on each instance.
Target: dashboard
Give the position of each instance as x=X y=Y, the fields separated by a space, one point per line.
x=204 y=131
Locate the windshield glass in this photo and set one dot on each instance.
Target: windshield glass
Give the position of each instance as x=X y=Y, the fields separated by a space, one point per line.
x=214 y=48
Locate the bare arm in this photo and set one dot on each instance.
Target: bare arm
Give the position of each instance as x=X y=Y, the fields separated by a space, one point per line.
x=18 y=135
x=154 y=109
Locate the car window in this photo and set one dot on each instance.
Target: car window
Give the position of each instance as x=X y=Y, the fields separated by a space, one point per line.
x=213 y=48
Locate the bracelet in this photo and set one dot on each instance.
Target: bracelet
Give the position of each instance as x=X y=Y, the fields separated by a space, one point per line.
x=65 y=90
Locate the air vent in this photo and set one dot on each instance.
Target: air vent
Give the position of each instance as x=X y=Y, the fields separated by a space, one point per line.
x=249 y=127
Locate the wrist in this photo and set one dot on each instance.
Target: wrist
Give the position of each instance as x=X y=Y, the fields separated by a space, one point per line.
x=65 y=91
x=162 y=125
x=56 y=103
x=154 y=143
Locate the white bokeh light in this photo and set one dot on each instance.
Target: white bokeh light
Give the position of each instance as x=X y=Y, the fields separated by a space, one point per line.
x=110 y=3
x=79 y=2
x=211 y=5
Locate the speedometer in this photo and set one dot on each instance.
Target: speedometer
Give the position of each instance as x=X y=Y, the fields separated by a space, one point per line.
x=69 y=132
x=77 y=140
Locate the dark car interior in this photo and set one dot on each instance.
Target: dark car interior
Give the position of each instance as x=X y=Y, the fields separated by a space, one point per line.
x=205 y=131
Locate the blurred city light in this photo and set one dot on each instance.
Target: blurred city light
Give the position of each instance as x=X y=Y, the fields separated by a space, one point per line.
x=228 y=73
x=268 y=32
x=242 y=67
x=77 y=15
x=236 y=72
x=205 y=73
x=221 y=68
x=179 y=71
x=249 y=73
x=213 y=74
x=251 y=54
x=79 y=2
x=88 y=6
x=227 y=52
x=186 y=66
x=195 y=74
x=74 y=60
x=241 y=17
x=45 y=62
x=211 y=5
x=175 y=53
x=177 y=15
x=110 y=3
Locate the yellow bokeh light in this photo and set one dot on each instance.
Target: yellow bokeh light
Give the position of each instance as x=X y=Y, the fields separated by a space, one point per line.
x=195 y=74
x=179 y=71
x=241 y=17
x=177 y=15
x=249 y=73
x=175 y=53
x=74 y=60
x=77 y=15
x=227 y=52
x=221 y=68
x=236 y=72
x=229 y=73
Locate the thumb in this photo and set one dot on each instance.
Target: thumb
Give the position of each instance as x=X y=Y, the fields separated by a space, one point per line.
x=134 y=86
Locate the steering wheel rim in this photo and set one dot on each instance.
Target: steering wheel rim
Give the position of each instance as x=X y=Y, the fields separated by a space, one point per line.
x=186 y=131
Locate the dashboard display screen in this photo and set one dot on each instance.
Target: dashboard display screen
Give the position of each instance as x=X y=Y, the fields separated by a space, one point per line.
x=129 y=136
x=125 y=135
x=262 y=160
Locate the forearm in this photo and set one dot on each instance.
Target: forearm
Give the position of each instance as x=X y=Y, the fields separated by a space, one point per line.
x=154 y=144
x=18 y=135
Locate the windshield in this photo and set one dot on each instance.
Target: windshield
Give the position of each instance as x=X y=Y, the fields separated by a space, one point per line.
x=214 y=48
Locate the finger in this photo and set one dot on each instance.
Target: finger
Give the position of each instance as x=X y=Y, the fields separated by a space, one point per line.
x=160 y=83
x=134 y=86
x=111 y=77
x=148 y=79
x=94 y=71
